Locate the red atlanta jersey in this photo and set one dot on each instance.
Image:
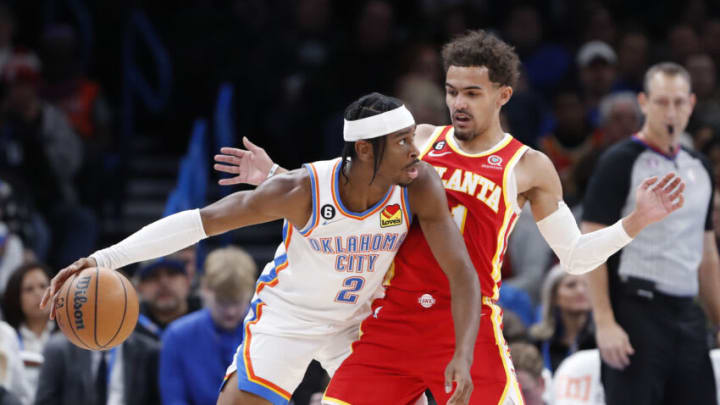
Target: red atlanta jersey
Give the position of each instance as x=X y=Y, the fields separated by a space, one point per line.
x=482 y=197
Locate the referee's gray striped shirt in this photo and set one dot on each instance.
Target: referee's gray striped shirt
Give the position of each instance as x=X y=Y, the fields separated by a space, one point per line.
x=668 y=252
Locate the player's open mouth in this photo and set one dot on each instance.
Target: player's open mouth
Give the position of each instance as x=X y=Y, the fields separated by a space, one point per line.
x=412 y=170
x=461 y=117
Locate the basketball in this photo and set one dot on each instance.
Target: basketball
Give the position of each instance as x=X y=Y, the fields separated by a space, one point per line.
x=97 y=308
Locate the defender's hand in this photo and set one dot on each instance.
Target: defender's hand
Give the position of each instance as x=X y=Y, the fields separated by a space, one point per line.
x=57 y=282
x=250 y=165
x=458 y=371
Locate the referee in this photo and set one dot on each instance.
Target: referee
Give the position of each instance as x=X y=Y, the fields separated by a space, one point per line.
x=649 y=328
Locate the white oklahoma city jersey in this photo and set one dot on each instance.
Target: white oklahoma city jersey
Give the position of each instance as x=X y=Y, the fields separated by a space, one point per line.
x=332 y=268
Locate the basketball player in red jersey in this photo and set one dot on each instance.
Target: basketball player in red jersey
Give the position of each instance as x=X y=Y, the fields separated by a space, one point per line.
x=488 y=176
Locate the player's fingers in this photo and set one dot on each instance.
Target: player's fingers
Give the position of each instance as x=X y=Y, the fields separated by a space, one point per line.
x=674 y=183
x=648 y=182
x=46 y=296
x=226 y=168
x=52 y=308
x=233 y=151
x=677 y=192
x=230 y=182
x=449 y=376
x=664 y=181
x=251 y=146
x=610 y=358
x=679 y=203
x=230 y=159
x=629 y=349
x=461 y=396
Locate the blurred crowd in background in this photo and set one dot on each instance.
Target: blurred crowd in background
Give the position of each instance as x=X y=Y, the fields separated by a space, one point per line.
x=87 y=87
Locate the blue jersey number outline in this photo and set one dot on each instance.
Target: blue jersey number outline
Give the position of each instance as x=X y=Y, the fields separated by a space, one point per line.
x=354 y=284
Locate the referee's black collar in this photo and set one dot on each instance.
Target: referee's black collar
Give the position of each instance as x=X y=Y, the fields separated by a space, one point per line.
x=635 y=138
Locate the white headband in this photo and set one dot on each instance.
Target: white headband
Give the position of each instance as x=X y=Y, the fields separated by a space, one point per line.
x=378 y=125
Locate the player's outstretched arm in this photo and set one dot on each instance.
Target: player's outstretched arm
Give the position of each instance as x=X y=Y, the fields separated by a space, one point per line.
x=429 y=203
x=579 y=253
x=251 y=165
x=286 y=196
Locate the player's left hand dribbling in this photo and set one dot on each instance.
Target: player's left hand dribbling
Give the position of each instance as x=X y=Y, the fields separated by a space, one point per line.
x=60 y=279
x=458 y=371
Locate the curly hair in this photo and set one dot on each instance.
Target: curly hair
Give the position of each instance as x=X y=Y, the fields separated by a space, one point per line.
x=480 y=48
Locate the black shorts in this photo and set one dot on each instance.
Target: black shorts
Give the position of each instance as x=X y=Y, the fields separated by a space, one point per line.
x=671 y=363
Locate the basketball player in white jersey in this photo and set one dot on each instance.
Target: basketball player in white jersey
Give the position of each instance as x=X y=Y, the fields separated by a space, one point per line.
x=344 y=221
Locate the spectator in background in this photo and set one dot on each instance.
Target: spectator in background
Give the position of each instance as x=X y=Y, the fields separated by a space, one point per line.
x=12 y=255
x=514 y=328
x=215 y=332
x=422 y=60
x=12 y=371
x=21 y=309
x=703 y=74
x=81 y=100
x=546 y=64
x=566 y=322
x=620 y=117
x=7 y=30
x=599 y=24
x=570 y=140
x=123 y=375
x=682 y=42
x=597 y=67
x=164 y=288
x=529 y=369
x=423 y=98
x=632 y=61
x=41 y=154
x=710 y=39
x=19 y=214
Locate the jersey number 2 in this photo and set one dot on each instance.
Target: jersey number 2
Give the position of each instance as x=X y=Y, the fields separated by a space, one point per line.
x=353 y=284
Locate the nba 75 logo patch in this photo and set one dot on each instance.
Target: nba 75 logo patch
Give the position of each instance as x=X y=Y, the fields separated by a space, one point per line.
x=391 y=216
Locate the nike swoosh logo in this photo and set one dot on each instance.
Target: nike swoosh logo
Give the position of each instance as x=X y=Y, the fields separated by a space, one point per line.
x=433 y=153
x=332 y=222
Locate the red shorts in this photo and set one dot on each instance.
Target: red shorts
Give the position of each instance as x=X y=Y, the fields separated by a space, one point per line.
x=405 y=346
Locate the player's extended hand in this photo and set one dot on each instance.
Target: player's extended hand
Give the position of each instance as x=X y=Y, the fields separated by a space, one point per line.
x=614 y=345
x=657 y=199
x=458 y=371
x=250 y=165
x=57 y=282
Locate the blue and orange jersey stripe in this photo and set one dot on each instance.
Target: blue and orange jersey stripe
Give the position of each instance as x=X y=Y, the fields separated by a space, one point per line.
x=338 y=202
x=315 y=218
x=257 y=307
x=405 y=200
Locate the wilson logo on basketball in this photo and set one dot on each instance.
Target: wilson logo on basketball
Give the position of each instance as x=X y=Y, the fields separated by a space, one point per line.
x=391 y=216
x=79 y=299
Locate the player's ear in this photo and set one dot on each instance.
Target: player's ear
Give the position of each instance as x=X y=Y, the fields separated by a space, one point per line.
x=364 y=150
